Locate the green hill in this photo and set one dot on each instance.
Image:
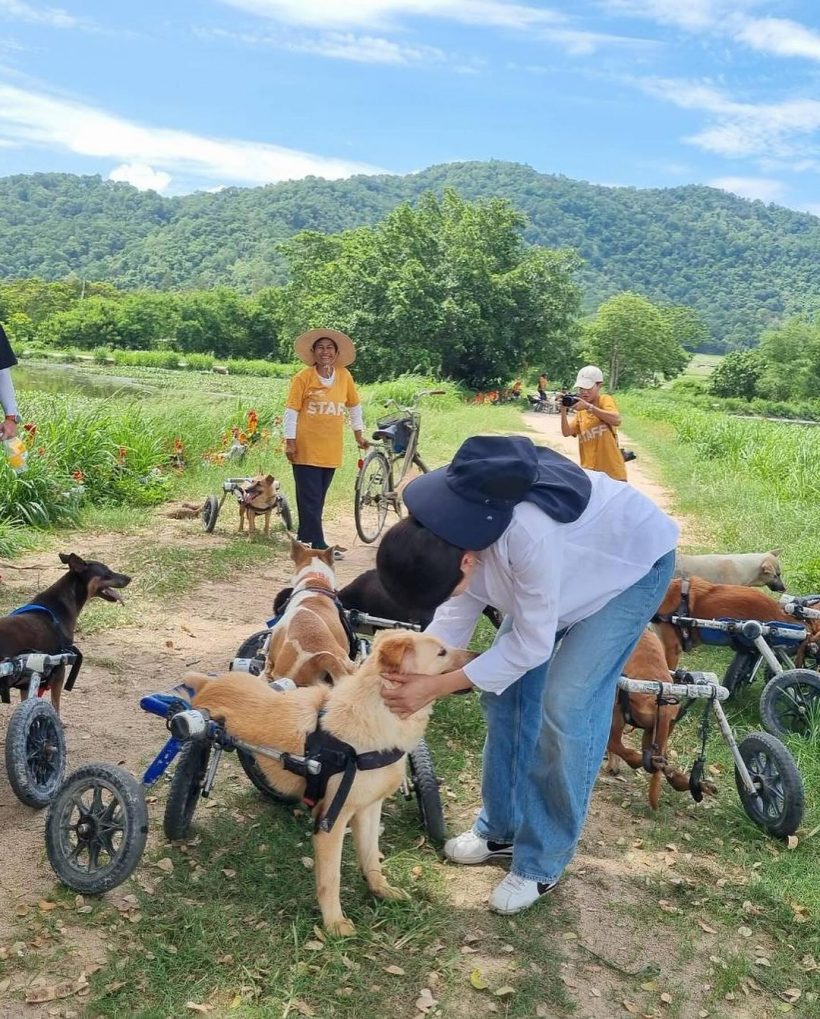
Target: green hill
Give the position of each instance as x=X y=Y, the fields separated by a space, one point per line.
x=744 y=265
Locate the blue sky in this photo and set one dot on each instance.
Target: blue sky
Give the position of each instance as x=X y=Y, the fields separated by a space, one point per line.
x=185 y=95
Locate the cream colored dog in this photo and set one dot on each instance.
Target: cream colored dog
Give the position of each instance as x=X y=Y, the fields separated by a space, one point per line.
x=309 y=643
x=746 y=569
x=355 y=712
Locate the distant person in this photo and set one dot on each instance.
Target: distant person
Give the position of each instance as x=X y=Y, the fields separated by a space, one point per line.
x=7 y=395
x=543 y=382
x=596 y=418
x=314 y=423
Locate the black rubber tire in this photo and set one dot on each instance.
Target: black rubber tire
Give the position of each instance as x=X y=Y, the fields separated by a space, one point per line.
x=373 y=462
x=740 y=669
x=285 y=512
x=422 y=466
x=260 y=780
x=186 y=789
x=124 y=812
x=35 y=752
x=424 y=784
x=210 y=511
x=252 y=647
x=778 y=806
x=790 y=703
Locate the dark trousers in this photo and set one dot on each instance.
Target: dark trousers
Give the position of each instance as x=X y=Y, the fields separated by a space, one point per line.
x=311 y=484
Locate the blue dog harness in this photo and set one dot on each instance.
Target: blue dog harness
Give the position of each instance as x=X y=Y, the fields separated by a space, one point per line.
x=66 y=644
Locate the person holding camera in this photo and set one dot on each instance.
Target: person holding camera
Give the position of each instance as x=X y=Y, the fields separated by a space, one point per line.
x=596 y=418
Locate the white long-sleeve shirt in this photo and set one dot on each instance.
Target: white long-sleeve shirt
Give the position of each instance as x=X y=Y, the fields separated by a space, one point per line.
x=546 y=576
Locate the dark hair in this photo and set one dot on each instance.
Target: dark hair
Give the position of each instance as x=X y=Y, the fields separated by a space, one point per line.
x=321 y=339
x=416 y=567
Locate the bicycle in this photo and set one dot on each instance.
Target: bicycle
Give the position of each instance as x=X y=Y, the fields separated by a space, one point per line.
x=377 y=487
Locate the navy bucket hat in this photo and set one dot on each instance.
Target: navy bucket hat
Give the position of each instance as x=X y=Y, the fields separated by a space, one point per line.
x=470 y=502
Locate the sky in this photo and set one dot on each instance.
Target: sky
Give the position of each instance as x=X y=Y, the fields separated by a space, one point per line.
x=196 y=95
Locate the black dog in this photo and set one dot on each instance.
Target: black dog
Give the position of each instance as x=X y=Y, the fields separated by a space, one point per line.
x=46 y=624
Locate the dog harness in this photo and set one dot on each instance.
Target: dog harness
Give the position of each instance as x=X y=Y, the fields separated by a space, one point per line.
x=65 y=644
x=279 y=611
x=677 y=617
x=334 y=757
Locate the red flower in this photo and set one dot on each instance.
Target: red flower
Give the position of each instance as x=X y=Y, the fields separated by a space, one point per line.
x=122 y=453
x=78 y=476
x=31 y=428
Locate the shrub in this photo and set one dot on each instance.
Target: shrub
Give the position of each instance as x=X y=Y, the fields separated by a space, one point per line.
x=737 y=374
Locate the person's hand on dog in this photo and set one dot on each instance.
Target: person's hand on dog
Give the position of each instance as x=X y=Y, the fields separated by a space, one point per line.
x=410 y=692
x=290 y=449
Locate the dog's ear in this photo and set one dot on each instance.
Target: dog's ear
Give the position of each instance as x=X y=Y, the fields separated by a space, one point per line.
x=269 y=479
x=297 y=550
x=391 y=651
x=73 y=561
x=326 y=555
x=776 y=552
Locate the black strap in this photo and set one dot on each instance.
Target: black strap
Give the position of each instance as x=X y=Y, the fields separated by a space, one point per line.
x=625 y=706
x=680 y=618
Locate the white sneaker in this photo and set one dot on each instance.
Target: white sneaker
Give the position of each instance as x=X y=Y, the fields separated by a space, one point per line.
x=471 y=848
x=515 y=893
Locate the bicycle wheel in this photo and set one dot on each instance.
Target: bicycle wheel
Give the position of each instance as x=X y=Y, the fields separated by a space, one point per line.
x=790 y=703
x=425 y=786
x=35 y=752
x=422 y=466
x=777 y=804
x=186 y=789
x=96 y=829
x=372 y=496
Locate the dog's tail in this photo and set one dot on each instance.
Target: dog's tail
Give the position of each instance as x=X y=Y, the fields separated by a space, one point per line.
x=667 y=713
x=334 y=665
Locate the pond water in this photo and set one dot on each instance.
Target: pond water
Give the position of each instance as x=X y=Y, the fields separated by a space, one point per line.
x=65 y=378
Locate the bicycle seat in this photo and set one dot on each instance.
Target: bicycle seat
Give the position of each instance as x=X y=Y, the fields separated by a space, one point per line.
x=385 y=434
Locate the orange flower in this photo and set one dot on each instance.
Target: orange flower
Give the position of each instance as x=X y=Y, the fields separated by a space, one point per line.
x=31 y=428
x=178 y=445
x=41 y=451
x=122 y=453
x=78 y=476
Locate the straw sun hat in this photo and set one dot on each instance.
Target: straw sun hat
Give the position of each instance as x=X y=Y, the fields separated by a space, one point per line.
x=303 y=346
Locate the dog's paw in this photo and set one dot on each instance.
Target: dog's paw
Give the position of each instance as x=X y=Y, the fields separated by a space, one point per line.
x=612 y=765
x=341 y=928
x=386 y=891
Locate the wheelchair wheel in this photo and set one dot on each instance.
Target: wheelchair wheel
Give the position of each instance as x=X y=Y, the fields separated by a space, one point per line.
x=285 y=512
x=210 y=511
x=260 y=779
x=96 y=829
x=252 y=649
x=372 y=496
x=790 y=703
x=740 y=671
x=424 y=784
x=35 y=752
x=777 y=805
x=186 y=789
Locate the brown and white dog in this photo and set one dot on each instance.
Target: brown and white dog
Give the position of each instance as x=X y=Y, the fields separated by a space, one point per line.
x=309 y=644
x=259 y=498
x=642 y=711
x=355 y=712
x=746 y=569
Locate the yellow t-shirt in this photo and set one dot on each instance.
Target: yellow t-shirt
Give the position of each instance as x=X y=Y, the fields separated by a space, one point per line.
x=321 y=409
x=598 y=442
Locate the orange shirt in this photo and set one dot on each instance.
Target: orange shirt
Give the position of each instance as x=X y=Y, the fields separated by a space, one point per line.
x=321 y=409
x=597 y=442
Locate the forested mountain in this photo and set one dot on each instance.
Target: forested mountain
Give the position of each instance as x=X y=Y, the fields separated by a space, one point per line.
x=744 y=265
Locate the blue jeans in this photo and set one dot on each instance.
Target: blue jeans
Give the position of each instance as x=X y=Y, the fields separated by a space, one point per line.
x=547 y=732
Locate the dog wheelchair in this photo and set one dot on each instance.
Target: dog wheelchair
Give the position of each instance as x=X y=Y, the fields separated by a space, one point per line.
x=790 y=701
x=234 y=487
x=767 y=779
x=35 y=740
x=97 y=826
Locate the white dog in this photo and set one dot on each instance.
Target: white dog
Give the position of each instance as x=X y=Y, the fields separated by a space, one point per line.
x=748 y=569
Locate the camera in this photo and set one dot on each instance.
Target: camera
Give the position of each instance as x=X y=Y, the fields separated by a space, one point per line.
x=568 y=400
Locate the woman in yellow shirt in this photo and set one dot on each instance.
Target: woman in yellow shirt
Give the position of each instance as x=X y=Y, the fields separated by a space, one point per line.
x=314 y=423
x=596 y=418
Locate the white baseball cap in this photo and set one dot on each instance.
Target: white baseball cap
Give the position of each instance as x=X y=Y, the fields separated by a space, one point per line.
x=588 y=376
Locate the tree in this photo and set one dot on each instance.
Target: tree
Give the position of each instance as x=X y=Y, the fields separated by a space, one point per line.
x=631 y=339
x=737 y=374
x=686 y=326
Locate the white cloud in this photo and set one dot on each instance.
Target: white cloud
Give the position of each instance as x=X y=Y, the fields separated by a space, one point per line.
x=781 y=37
x=141 y=176
x=365 y=49
x=54 y=122
x=381 y=13
x=55 y=17
x=764 y=189
x=693 y=15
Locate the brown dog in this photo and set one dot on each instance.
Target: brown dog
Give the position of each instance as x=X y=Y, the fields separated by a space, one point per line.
x=715 y=601
x=647 y=661
x=309 y=644
x=259 y=497
x=49 y=628
x=355 y=712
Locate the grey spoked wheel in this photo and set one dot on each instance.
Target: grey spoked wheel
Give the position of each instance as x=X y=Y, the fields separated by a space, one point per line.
x=285 y=512
x=425 y=786
x=777 y=804
x=35 y=752
x=741 y=670
x=790 y=703
x=253 y=649
x=96 y=828
x=373 y=497
x=210 y=511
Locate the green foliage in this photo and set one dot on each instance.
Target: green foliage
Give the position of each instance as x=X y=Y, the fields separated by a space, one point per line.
x=448 y=288
x=737 y=375
x=631 y=339
x=791 y=361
